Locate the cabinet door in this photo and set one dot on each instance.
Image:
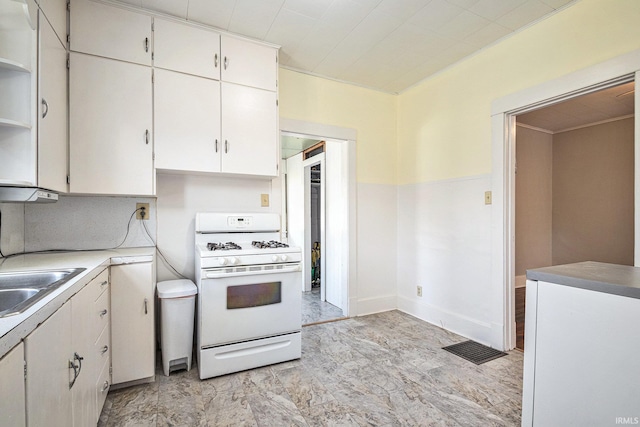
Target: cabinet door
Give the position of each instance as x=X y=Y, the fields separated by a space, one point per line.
x=83 y=394
x=187 y=137
x=56 y=13
x=248 y=63
x=52 y=116
x=48 y=354
x=109 y=31
x=249 y=131
x=132 y=322
x=12 y=388
x=110 y=127
x=181 y=47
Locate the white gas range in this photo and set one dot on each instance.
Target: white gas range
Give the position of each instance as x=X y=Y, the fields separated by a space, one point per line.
x=249 y=293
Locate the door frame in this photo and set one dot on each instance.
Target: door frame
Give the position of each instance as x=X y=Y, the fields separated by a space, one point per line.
x=613 y=72
x=349 y=262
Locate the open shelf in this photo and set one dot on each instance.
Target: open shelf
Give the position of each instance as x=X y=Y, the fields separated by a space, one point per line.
x=14 y=124
x=8 y=64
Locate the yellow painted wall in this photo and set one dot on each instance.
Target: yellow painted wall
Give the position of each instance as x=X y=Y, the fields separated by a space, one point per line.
x=371 y=113
x=444 y=126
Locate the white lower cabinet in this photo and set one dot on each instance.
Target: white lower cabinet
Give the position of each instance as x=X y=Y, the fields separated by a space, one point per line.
x=110 y=132
x=49 y=357
x=12 y=403
x=132 y=322
x=65 y=359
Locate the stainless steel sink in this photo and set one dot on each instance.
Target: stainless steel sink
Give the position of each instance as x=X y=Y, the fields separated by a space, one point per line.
x=19 y=291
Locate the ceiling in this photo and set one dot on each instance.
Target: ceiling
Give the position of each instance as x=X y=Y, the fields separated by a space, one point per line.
x=596 y=107
x=387 y=45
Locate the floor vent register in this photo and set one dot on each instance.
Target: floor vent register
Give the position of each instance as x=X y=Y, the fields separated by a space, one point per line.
x=474 y=352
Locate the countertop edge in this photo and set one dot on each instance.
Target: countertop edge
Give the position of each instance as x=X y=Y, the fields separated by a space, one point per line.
x=623 y=280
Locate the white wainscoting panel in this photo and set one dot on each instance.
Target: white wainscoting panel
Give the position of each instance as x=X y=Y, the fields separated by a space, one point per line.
x=444 y=245
x=377 y=230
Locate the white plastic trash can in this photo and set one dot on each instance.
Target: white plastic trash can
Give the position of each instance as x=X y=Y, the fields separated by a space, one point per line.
x=177 y=308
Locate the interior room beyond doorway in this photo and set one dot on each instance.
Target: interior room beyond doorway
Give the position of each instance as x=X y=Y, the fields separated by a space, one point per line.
x=574 y=185
x=306 y=217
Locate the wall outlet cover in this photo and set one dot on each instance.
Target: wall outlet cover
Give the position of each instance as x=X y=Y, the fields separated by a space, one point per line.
x=264 y=200
x=139 y=209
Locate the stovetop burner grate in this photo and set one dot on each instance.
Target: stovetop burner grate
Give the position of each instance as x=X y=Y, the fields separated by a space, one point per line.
x=268 y=245
x=223 y=246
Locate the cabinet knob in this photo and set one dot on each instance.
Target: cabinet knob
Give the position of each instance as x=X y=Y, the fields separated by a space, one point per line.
x=45 y=108
x=215 y=60
x=216 y=145
x=226 y=146
x=226 y=62
x=146 y=310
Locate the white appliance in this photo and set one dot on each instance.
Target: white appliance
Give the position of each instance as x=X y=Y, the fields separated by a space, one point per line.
x=249 y=299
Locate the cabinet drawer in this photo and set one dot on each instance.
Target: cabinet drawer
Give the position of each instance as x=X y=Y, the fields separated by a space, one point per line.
x=103 y=348
x=101 y=314
x=102 y=388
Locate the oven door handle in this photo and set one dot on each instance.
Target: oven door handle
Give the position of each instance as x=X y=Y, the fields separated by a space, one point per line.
x=220 y=274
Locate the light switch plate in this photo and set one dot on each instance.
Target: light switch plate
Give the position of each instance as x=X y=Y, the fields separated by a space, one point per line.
x=264 y=200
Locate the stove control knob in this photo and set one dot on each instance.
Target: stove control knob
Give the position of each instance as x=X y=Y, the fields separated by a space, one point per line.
x=235 y=261
x=222 y=261
x=284 y=257
x=274 y=258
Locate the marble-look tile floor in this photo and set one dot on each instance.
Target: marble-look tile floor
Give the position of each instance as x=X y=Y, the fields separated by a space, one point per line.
x=314 y=310
x=386 y=369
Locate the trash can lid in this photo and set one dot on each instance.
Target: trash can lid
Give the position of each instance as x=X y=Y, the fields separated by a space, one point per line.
x=176 y=288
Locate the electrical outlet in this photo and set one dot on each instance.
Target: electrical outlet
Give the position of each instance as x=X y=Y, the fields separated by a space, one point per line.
x=419 y=291
x=487 y=197
x=264 y=200
x=140 y=208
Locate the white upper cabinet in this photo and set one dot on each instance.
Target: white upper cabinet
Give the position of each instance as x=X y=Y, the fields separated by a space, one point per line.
x=109 y=31
x=56 y=13
x=110 y=126
x=249 y=131
x=53 y=110
x=184 y=48
x=248 y=63
x=187 y=122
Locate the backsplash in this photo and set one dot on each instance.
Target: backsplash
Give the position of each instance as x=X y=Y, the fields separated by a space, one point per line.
x=75 y=222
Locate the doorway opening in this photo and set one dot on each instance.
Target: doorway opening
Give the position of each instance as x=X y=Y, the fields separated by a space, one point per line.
x=574 y=185
x=315 y=205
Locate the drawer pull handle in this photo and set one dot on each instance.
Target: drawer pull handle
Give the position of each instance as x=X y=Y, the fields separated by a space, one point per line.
x=103 y=313
x=45 y=109
x=146 y=311
x=146 y=44
x=105 y=386
x=226 y=62
x=104 y=349
x=216 y=60
x=76 y=368
x=104 y=283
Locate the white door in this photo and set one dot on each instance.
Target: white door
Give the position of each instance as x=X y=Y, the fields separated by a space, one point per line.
x=132 y=322
x=110 y=126
x=187 y=122
x=48 y=354
x=249 y=131
x=52 y=117
x=297 y=222
x=336 y=224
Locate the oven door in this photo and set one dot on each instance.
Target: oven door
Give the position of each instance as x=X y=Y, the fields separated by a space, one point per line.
x=245 y=307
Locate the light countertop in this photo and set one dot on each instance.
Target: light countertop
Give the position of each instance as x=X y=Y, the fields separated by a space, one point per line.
x=14 y=328
x=622 y=280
